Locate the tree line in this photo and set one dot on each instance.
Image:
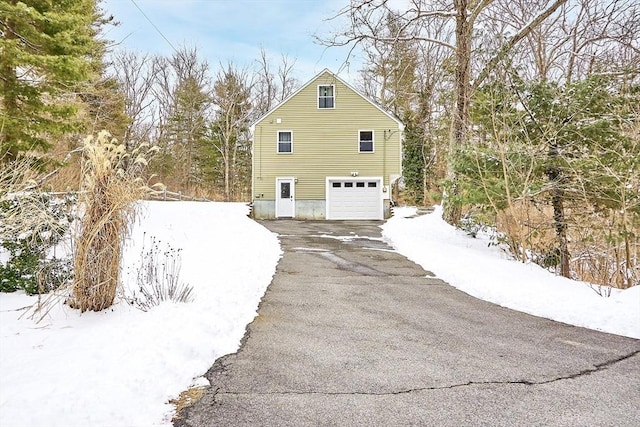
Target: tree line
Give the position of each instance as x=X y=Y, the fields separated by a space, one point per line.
x=520 y=115
x=523 y=115
x=199 y=121
x=101 y=126
x=61 y=81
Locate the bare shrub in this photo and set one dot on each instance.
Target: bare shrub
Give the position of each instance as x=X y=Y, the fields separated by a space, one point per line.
x=110 y=185
x=32 y=223
x=158 y=277
x=18 y=180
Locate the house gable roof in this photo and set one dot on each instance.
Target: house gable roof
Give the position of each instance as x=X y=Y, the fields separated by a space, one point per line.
x=316 y=77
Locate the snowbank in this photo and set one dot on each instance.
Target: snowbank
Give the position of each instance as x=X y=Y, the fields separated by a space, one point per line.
x=120 y=367
x=470 y=265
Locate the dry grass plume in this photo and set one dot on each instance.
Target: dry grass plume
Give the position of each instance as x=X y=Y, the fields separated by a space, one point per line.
x=110 y=186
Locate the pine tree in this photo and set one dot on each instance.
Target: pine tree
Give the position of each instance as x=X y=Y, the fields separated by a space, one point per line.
x=572 y=148
x=183 y=94
x=46 y=49
x=186 y=129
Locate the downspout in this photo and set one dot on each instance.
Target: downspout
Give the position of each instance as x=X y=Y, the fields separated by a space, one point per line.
x=260 y=164
x=400 y=153
x=253 y=163
x=384 y=158
x=387 y=136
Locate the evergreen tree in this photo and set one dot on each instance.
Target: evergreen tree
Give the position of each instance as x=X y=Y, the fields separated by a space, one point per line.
x=186 y=128
x=46 y=49
x=104 y=107
x=182 y=92
x=569 y=147
x=413 y=161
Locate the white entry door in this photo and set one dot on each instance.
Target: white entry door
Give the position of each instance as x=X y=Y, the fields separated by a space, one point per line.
x=285 y=193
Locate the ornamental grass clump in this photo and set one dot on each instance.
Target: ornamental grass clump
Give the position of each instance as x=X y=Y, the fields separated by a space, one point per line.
x=111 y=184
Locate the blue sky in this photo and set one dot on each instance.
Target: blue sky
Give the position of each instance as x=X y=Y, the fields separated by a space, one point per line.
x=233 y=30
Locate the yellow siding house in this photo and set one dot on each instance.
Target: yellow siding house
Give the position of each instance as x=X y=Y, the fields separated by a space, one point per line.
x=326 y=152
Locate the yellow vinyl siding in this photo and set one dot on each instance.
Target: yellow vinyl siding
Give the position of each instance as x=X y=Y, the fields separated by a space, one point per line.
x=325 y=142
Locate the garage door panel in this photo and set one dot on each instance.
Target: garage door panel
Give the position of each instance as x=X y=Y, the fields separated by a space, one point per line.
x=354 y=199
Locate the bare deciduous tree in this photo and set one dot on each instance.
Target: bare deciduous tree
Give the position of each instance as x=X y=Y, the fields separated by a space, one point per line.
x=270 y=87
x=583 y=37
x=231 y=99
x=135 y=75
x=366 y=18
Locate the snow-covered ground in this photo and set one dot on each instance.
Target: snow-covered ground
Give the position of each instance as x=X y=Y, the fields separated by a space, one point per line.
x=470 y=265
x=120 y=367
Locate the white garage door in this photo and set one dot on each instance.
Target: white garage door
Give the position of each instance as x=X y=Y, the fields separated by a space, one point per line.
x=353 y=198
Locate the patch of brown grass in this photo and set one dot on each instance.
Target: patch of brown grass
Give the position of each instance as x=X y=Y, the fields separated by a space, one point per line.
x=598 y=254
x=186 y=399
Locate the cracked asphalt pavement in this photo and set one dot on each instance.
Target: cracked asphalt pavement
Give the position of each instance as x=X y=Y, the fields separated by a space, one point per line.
x=351 y=333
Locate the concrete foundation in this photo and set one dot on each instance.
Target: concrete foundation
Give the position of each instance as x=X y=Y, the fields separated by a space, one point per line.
x=310 y=209
x=386 y=208
x=304 y=209
x=264 y=209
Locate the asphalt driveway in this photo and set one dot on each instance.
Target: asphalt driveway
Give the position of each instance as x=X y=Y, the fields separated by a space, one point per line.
x=350 y=333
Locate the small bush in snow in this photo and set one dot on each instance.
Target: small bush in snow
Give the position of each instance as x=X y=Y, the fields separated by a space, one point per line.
x=31 y=225
x=158 y=277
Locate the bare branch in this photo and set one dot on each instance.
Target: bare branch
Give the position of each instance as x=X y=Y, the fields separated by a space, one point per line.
x=489 y=67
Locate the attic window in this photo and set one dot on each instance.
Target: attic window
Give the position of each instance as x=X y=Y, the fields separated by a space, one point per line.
x=326 y=96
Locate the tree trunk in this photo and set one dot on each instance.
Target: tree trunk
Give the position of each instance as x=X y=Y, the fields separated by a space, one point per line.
x=560 y=224
x=627 y=251
x=557 y=201
x=234 y=172
x=9 y=105
x=9 y=101
x=460 y=123
x=226 y=159
x=627 y=282
x=227 y=184
x=425 y=185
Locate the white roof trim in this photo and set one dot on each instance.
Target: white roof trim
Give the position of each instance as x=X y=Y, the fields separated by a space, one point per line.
x=326 y=70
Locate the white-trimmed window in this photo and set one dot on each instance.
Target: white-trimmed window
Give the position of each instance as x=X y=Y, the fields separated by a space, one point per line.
x=365 y=141
x=326 y=96
x=285 y=141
